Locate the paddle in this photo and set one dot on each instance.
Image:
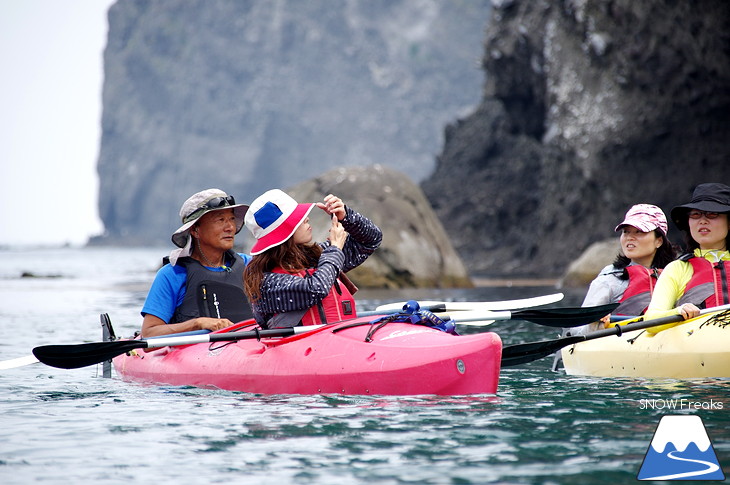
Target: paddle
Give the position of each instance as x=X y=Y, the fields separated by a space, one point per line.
x=549 y=317
x=528 y=352
x=566 y=317
x=81 y=355
x=479 y=319
x=437 y=307
x=19 y=362
x=480 y=305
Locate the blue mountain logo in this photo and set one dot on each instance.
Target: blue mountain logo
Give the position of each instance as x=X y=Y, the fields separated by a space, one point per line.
x=680 y=450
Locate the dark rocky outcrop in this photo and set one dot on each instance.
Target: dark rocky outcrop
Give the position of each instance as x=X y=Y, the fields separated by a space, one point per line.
x=244 y=95
x=589 y=107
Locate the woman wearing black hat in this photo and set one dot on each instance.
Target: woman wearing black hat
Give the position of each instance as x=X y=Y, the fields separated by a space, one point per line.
x=701 y=277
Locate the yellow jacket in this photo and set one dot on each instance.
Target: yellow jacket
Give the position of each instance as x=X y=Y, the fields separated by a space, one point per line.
x=671 y=286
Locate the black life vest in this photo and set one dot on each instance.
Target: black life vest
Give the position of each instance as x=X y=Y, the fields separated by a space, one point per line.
x=216 y=294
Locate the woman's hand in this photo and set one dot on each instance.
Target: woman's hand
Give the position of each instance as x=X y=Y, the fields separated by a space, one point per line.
x=333 y=205
x=688 y=310
x=337 y=233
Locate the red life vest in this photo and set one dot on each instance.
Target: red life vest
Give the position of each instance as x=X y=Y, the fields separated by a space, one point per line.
x=338 y=305
x=709 y=284
x=637 y=296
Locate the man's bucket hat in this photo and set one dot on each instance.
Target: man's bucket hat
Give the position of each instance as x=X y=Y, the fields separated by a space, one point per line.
x=197 y=206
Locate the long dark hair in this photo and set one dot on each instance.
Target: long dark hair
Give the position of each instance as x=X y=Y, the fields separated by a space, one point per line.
x=289 y=256
x=665 y=254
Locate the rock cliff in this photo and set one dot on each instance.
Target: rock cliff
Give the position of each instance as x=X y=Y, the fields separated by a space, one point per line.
x=247 y=95
x=589 y=107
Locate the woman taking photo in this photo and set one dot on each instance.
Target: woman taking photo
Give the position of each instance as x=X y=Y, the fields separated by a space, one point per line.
x=291 y=280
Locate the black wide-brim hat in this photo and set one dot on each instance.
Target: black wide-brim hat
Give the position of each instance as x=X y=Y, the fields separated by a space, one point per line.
x=712 y=197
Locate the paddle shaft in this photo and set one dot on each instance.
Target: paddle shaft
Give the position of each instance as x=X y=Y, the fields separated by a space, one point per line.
x=480 y=305
x=436 y=308
x=550 y=317
x=152 y=343
x=82 y=355
x=457 y=316
x=529 y=352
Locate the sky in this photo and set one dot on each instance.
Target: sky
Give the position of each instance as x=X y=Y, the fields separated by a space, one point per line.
x=51 y=53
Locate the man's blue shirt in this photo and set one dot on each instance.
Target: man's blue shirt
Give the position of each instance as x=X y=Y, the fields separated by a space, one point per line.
x=168 y=290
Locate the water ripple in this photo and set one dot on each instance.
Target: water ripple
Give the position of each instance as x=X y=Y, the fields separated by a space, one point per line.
x=74 y=426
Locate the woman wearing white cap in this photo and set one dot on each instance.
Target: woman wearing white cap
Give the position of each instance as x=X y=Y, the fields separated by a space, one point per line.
x=630 y=280
x=291 y=280
x=701 y=277
x=201 y=288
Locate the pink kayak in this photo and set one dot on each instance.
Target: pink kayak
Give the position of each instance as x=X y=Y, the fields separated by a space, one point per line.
x=343 y=358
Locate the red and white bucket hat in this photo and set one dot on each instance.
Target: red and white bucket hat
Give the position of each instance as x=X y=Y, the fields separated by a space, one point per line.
x=273 y=218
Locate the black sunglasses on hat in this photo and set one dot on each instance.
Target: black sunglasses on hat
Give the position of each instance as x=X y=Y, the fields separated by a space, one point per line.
x=214 y=203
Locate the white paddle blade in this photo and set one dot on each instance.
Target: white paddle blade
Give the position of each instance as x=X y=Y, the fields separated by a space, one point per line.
x=19 y=362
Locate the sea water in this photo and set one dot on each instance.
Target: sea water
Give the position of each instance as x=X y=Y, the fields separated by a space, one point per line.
x=74 y=426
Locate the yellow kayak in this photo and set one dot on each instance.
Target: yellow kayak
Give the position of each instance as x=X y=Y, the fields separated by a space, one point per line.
x=699 y=347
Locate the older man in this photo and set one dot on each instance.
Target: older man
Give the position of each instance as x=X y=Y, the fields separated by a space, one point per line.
x=201 y=287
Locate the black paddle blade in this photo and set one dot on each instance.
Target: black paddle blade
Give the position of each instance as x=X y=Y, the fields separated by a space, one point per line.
x=529 y=352
x=566 y=317
x=82 y=355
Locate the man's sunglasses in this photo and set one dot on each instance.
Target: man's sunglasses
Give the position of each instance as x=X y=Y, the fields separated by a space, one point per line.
x=214 y=203
x=219 y=202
